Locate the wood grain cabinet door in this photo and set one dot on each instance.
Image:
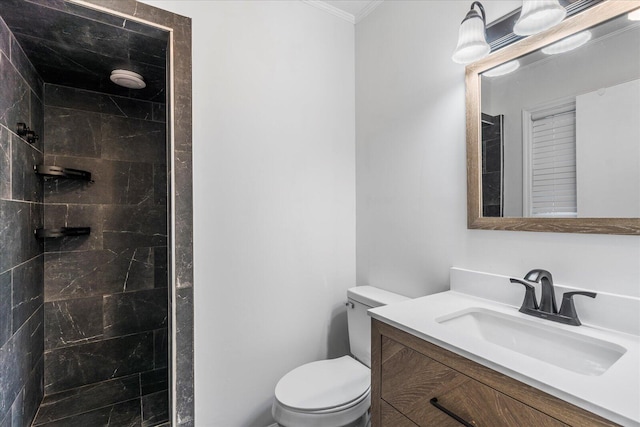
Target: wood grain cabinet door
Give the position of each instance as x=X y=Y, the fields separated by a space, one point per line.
x=392 y=418
x=410 y=380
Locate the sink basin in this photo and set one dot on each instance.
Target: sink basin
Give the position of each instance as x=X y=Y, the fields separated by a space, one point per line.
x=564 y=349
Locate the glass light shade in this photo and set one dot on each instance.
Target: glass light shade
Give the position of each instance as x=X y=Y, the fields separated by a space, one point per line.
x=472 y=44
x=538 y=15
x=503 y=69
x=567 y=44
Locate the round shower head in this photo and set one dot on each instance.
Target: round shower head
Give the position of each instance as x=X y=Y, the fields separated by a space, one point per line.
x=128 y=79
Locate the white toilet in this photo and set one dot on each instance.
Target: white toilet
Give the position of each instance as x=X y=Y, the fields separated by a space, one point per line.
x=336 y=392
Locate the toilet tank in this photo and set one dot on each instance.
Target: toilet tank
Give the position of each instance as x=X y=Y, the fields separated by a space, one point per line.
x=361 y=299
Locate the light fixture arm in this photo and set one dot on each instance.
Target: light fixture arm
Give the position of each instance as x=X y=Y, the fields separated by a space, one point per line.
x=473 y=13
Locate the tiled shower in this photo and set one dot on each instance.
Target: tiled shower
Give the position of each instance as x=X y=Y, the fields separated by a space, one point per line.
x=83 y=318
x=21 y=255
x=492 y=166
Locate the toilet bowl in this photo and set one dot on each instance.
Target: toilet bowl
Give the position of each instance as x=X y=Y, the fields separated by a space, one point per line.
x=335 y=392
x=332 y=392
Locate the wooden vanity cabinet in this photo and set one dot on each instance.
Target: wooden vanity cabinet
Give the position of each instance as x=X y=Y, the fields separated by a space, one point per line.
x=407 y=372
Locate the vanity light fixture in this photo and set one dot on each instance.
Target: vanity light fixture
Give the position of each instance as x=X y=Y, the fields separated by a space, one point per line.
x=503 y=69
x=472 y=43
x=538 y=15
x=568 y=44
x=635 y=15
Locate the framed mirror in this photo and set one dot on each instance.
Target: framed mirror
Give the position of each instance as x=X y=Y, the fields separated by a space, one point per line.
x=553 y=128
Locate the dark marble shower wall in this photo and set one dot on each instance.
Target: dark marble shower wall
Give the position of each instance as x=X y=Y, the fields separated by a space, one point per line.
x=106 y=294
x=492 y=174
x=21 y=255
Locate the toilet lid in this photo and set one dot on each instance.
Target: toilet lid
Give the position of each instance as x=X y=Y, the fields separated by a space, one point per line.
x=324 y=384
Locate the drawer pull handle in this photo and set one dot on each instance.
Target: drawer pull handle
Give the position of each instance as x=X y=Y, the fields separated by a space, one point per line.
x=434 y=402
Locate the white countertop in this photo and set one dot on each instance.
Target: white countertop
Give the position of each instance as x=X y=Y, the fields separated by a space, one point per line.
x=614 y=395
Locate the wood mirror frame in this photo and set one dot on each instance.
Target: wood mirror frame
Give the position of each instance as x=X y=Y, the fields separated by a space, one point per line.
x=593 y=16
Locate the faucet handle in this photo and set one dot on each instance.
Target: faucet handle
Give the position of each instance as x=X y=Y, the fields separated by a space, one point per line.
x=529 y=302
x=568 y=308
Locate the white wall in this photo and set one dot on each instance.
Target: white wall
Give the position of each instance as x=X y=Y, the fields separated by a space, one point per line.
x=411 y=168
x=274 y=197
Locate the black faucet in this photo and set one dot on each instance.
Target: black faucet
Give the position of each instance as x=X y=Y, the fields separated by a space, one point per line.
x=547 y=308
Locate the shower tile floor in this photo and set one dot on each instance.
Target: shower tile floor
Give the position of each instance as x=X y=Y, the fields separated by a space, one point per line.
x=140 y=400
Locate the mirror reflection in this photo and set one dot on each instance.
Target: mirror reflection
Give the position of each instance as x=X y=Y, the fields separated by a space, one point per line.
x=561 y=128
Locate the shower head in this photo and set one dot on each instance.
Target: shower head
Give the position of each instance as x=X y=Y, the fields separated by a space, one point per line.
x=128 y=79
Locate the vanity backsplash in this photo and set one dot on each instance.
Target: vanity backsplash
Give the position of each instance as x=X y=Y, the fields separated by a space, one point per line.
x=617 y=312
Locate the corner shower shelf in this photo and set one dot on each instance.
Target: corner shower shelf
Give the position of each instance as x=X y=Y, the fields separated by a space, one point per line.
x=60 y=172
x=48 y=233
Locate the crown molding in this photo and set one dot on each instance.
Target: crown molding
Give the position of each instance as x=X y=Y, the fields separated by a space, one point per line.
x=331 y=9
x=319 y=4
x=367 y=10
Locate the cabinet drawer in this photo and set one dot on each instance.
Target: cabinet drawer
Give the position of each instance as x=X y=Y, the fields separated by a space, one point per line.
x=410 y=379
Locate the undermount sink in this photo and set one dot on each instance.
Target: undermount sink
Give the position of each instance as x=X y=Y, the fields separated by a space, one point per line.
x=550 y=344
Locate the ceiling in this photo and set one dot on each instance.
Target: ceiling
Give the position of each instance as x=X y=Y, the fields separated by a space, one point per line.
x=71 y=45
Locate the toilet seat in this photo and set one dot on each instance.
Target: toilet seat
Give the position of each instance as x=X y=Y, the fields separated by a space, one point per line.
x=324 y=393
x=324 y=384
